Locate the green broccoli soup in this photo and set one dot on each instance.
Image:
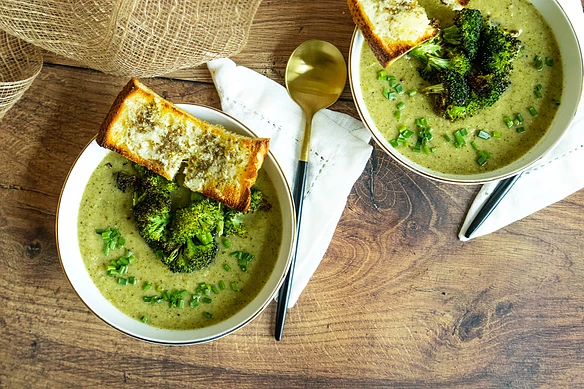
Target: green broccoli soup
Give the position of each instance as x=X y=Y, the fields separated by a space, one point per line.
x=404 y=106
x=134 y=278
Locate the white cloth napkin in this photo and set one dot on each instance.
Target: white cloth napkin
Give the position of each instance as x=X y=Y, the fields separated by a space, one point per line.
x=339 y=152
x=551 y=179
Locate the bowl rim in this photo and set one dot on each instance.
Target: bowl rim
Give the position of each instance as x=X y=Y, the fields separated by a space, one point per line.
x=231 y=330
x=384 y=144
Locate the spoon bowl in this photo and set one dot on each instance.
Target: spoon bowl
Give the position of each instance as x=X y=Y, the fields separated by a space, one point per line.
x=316 y=74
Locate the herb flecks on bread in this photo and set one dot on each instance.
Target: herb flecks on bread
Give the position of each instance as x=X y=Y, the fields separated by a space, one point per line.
x=151 y=131
x=392 y=27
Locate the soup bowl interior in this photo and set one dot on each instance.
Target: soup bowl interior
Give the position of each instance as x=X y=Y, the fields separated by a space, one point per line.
x=572 y=90
x=74 y=267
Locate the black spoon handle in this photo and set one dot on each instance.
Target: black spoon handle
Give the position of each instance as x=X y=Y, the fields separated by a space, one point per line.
x=489 y=206
x=284 y=293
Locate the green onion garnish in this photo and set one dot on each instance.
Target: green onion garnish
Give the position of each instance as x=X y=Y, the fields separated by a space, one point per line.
x=181 y=303
x=412 y=92
x=463 y=131
x=520 y=119
x=147 y=285
x=520 y=129
x=194 y=302
x=147 y=299
x=132 y=280
x=496 y=134
x=394 y=143
x=447 y=138
x=459 y=138
x=122 y=281
x=399 y=89
x=474 y=145
x=208 y=315
x=382 y=74
x=508 y=121
x=234 y=286
x=392 y=81
x=532 y=111
x=221 y=285
x=226 y=267
x=549 y=61
x=556 y=102
x=112 y=239
x=538 y=63
x=397 y=114
x=227 y=243
x=483 y=135
x=143 y=319
x=215 y=289
x=421 y=122
x=206 y=300
x=537 y=93
x=401 y=105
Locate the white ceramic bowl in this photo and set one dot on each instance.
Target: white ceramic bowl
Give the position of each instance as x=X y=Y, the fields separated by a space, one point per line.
x=70 y=256
x=573 y=73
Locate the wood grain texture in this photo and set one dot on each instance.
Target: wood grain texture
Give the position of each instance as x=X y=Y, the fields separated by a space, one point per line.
x=397 y=301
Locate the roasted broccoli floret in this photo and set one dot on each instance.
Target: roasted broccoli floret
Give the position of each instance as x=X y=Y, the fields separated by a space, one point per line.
x=233 y=223
x=487 y=89
x=152 y=215
x=258 y=201
x=423 y=50
x=190 y=256
x=459 y=61
x=201 y=219
x=125 y=181
x=499 y=48
x=466 y=31
x=452 y=91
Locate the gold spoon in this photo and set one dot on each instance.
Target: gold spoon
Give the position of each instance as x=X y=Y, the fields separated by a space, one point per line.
x=316 y=74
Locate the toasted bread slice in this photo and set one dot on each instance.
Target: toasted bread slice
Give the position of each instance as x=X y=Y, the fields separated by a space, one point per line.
x=392 y=27
x=151 y=131
x=456 y=5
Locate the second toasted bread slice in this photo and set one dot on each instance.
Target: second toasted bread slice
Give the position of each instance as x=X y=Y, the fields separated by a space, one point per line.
x=151 y=131
x=392 y=27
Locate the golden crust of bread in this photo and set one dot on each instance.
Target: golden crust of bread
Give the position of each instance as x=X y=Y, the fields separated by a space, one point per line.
x=219 y=164
x=385 y=52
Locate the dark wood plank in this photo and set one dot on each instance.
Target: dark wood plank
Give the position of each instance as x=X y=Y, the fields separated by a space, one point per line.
x=398 y=301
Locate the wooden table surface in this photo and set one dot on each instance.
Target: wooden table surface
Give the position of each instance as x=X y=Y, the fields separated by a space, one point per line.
x=398 y=300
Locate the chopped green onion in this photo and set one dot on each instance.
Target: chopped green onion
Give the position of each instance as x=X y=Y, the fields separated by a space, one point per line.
x=112 y=239
x=407 y=133
x=397 y=114
x=421 y=122
x=195 y=302
x=482 y=161
x=520 y=129
x=426 y=149
x=483 y=134
x=394 y=143
x=538 y=63
x=463 y=131
x=159 y=288
x=392 y=81
x=143 y=319
x=226 y=267
x=208 y=315
x=401 y=105
x=496 y=134
x=221 y=285
x=447 y=138
x=147 y=285
x=206 y=300
x=227 y=243
x=520 y=119
x=474 y=145
x=532 y=111
x=508 y=121
x=537 y=93
x=549 y=61
x=215 y=289
x=402 y=127
x=147 y=299
x=538 y=87
x=417 y=149
x=556 y=102
x=382 y=74
x=386 y=92
x=122 y=281
x=434 y=149
x=412 y=92
x=181 y=303
x=132 y=280
x=234 y=286
x=183 y=293
x=399 y=89
x=459 y=138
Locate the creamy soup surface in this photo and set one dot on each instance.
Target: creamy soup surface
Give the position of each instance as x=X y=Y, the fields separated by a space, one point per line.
x=103 y=205
x=538 y=40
